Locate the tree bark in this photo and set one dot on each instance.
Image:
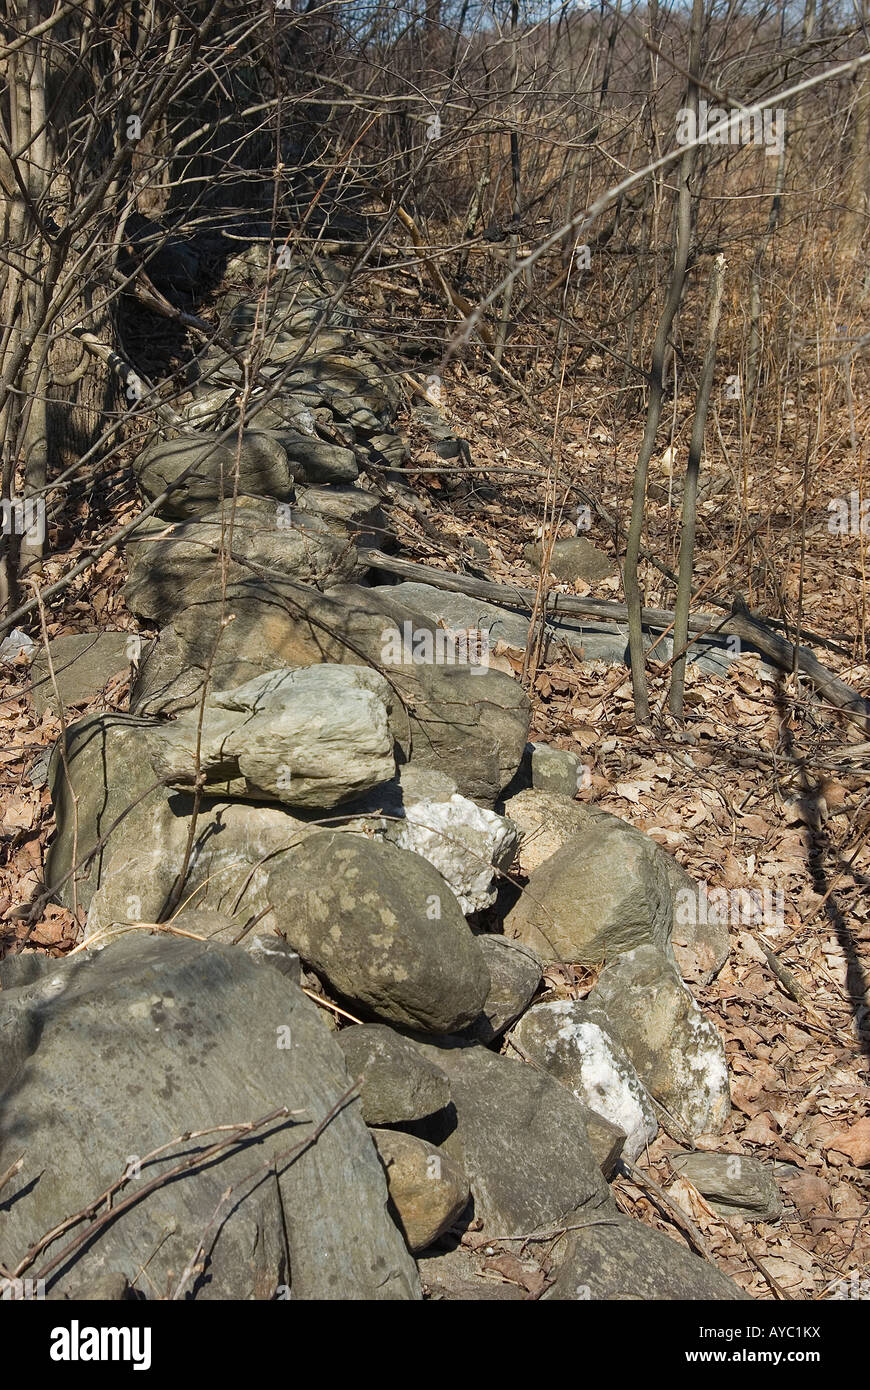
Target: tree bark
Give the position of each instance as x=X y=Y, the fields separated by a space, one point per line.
x=631 y=584
x=690 y=494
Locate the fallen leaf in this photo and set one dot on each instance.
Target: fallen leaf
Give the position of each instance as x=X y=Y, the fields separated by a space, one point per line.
x=630 y=791
x=853 y=1142
x=528 y=1276
x=18 y=813
x=760 y=1131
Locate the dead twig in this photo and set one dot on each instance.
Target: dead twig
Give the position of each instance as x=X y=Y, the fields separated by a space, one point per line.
x=237 y=1131
x=269 y=1167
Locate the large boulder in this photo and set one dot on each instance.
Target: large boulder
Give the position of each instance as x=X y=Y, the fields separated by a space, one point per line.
x=273 y=625
x=459 y=613
x=578 y=1052
x=110 y=1058
x=315 y=461
x=262 y=944
x=520 y=1137
x=677 y=1053
x=164 y=562
x=108 y=786
x=129 y=835
x=470 y=724
x=313 y=737
x=606 y=891
x=349 y=513
x=382 y=927
x=227 y=867
x=468 y=721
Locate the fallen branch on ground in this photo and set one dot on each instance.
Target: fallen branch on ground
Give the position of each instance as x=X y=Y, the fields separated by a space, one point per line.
x=738 y=623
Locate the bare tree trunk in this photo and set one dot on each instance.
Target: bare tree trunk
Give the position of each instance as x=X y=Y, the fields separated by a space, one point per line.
x=690 y=493
x=34 y=434
x=71 y=80
x=633 y=598
x=23 y=415
x=753 y=355
x=856 y=219
x=504 y=321
x=39 y=424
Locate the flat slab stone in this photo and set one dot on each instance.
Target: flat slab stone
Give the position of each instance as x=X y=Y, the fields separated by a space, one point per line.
x=587 y=639
x=574 y=559
x=84 y=662
x=263 y=471
x=734 y=1184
